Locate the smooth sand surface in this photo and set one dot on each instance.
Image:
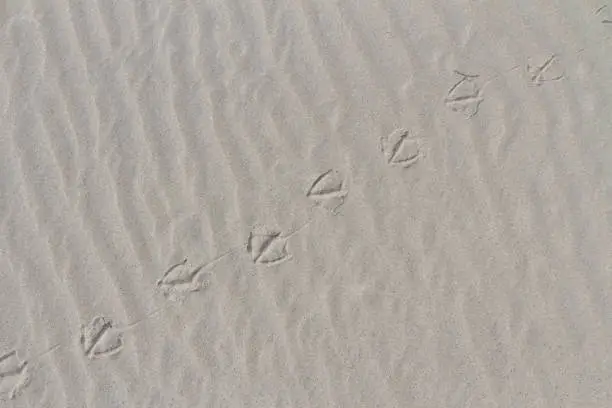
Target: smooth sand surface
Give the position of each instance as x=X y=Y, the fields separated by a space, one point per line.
x=305 y=203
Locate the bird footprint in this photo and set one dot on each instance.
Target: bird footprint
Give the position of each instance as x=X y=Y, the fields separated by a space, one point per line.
x=549 y=71
x=179 y=280
x=465 y=96
x=100 y=338
x=400 y=149
x=268 y=247
x=329 y=190
x=14 y=375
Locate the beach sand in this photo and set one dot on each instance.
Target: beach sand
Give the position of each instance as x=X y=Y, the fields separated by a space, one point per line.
x=343 y=203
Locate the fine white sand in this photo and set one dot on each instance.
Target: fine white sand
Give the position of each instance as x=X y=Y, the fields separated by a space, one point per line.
x=305 y=203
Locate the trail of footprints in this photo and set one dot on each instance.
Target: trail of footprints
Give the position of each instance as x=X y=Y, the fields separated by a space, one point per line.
x=467 y=94
x=102 y=339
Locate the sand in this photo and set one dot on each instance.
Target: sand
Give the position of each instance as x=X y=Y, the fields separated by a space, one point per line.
x=307 y=203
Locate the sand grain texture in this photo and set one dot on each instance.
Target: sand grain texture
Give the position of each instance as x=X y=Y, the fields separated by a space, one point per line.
x=305 y=203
